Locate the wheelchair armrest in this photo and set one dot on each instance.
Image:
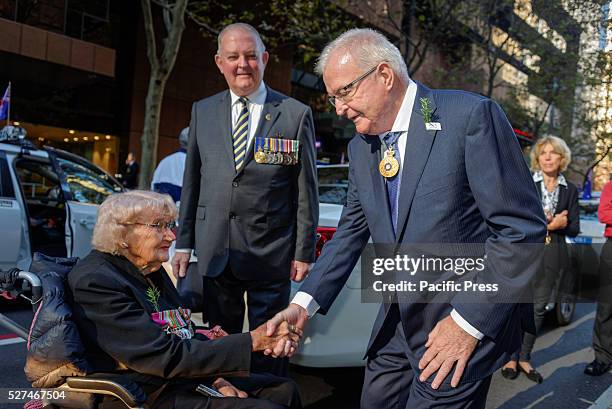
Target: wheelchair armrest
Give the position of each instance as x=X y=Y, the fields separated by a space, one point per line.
x=109 y=384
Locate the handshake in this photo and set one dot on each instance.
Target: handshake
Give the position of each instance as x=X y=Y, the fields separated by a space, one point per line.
x=280 y=336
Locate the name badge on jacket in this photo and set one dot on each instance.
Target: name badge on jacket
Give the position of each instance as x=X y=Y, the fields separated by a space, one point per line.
x=276 y=151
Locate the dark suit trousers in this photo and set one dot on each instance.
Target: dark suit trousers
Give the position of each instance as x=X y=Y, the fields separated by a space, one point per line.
x=224 y=305
x=602 y=332
x=391 y=383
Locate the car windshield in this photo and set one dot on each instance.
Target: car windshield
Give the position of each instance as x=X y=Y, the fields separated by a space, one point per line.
x=333 y=184
x=87 y=184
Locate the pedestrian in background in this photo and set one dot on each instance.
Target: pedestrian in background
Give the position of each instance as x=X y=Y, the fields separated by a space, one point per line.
x=168 y=176
x=549 y=157
x=130 y=175
x=602 y=331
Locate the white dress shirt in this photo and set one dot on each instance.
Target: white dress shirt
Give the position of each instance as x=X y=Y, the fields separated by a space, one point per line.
x=256 y=102
x=401 y=124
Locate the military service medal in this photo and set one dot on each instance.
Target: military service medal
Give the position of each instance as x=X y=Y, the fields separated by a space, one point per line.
x=389 y=166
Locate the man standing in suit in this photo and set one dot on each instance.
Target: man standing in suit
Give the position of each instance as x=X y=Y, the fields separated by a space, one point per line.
x=427 y=166
x=249 y=204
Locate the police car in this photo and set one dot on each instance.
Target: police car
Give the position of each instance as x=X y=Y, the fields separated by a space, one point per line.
x=49 y=200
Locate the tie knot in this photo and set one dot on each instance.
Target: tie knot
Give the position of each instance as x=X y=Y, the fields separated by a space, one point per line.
x=243 y=101
x=391 y=138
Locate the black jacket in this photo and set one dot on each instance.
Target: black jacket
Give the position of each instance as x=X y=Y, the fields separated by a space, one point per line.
x=112 y=312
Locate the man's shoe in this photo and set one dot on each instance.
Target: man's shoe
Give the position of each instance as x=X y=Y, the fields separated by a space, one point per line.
x=509 y=373
x=597 y=368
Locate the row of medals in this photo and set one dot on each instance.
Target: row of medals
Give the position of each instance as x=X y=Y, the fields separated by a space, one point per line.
x=275 y=158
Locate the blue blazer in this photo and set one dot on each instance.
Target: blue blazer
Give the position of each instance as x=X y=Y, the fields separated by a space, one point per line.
x=467 y=183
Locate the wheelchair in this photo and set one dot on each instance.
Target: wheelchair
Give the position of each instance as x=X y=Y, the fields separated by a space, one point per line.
x=77 y=392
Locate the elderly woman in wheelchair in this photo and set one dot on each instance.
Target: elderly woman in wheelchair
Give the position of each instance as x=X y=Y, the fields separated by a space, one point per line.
x=131 y=322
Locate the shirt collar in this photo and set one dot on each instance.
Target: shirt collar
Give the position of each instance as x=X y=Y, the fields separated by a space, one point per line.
x=258 y=97
x=538 y=176
x=402 y=120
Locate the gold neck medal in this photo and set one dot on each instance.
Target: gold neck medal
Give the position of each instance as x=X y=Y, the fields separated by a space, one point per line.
x=388 y=166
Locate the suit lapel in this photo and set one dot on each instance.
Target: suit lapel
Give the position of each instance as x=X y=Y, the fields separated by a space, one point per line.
x=225 y=127
x=378 y=185
x=418 y=147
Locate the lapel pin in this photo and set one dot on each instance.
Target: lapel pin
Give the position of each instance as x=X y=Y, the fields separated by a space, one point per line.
x=433 y=126
x=268 y=117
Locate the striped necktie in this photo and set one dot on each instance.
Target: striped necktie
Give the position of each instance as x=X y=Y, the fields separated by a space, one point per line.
x=240 y=134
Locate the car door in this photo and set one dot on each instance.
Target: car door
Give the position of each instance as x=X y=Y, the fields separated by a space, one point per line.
x=15 y=249
x=85 y=187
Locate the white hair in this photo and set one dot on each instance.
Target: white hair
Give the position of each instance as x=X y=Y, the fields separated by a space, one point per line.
x=243 y=27
x=184 y=137
x=368 y=47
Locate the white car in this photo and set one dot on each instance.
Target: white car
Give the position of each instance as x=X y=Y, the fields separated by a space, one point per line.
x=48 y=202
x=340 y=338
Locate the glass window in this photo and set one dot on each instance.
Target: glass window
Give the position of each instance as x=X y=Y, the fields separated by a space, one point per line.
x=87 y=183
x=333 y=184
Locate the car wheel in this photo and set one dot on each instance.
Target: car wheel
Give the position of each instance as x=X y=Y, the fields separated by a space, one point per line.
x=564 y=311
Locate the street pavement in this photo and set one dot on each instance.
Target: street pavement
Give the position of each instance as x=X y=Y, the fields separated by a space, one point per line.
x=560 y=355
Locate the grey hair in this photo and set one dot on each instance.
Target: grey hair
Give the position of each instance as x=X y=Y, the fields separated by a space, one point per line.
x=121 y=209
x=244 y=27
x=184 y=138
x=368 y=47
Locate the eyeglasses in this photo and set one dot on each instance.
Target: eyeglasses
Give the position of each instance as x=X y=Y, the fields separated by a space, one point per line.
x=159 y=226
x=345 y=93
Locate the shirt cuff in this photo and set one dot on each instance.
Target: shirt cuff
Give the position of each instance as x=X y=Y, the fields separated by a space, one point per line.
x=466 y=325
x=183 y=250
x=306 y=301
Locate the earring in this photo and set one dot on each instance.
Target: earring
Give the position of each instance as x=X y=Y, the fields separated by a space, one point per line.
x=124 y=245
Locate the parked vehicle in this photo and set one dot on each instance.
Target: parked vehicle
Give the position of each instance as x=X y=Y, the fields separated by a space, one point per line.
x=48 y=202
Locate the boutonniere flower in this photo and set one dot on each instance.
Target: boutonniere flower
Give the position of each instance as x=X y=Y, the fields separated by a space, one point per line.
x=427 y=111
x=153 y=296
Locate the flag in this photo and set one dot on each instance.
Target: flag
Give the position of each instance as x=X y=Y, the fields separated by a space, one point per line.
x=4 y=103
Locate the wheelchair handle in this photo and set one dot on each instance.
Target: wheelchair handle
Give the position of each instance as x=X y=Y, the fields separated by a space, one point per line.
x=9 y=278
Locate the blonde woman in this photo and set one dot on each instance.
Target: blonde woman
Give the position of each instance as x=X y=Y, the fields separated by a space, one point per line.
x=549 y=158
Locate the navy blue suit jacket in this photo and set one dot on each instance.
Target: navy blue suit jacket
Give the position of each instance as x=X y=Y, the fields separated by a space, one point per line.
x=466 y=183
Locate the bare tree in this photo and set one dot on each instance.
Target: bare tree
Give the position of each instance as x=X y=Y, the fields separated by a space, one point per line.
x=161 y=65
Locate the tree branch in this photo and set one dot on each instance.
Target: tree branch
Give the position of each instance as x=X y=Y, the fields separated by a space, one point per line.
x=150 y=35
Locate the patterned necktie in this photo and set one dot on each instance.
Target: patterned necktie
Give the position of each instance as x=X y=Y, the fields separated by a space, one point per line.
x=240 y=133
x=393 y=183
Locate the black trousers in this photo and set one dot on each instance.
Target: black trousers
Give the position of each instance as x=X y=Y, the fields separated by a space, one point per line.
x=224 y=305
x=602 y=331
x=265 y=392
x=391 y=382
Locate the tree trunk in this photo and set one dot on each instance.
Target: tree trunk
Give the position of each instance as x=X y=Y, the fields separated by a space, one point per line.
x=150 y=134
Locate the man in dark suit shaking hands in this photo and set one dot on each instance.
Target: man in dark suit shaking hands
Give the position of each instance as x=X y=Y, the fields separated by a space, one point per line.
x=249 y=204
x=455 y=174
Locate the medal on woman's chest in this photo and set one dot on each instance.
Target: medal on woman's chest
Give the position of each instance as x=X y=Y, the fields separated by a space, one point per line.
x=389 y=166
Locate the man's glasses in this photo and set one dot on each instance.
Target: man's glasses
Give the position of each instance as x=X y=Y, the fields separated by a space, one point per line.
x=159 y=226
x=345 y=93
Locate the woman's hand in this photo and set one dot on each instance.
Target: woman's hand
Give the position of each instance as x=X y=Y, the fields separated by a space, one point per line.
x=558 y=222
x=287 y=334
x=228 y=390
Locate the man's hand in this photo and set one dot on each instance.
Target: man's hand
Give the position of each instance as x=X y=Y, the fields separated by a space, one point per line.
x=285 y=336
x=294 y=315
x=299 y=270
x=447 y=344
x=227 y=389
x=180 y=261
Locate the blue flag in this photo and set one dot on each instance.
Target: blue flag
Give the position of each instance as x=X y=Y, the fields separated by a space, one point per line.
x=4 y=103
